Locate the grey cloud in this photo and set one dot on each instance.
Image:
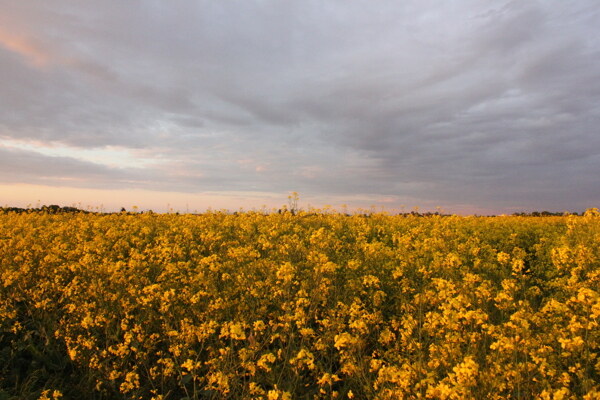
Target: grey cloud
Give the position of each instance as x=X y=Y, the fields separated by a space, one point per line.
x=452 y=103
x=18 y=166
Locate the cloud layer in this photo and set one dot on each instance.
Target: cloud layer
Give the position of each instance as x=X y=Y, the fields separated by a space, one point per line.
x=492 y=106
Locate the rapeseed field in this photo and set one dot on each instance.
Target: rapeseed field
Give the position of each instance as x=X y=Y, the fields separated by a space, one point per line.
x=315 y=305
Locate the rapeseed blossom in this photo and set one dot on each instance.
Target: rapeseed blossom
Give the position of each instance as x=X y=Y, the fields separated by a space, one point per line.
x=299 y=305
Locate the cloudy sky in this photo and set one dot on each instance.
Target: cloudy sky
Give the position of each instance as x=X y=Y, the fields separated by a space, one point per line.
x=472 y=106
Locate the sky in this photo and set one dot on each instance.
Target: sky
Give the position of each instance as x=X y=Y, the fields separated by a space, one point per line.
x=465 y=106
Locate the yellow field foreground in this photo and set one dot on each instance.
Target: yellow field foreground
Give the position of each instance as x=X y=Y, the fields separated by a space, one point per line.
x=306 y=306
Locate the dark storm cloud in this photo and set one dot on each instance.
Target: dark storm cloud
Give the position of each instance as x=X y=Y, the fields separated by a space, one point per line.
x=490 y=104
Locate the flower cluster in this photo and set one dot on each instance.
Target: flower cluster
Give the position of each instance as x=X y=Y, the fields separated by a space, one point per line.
x=311 y=305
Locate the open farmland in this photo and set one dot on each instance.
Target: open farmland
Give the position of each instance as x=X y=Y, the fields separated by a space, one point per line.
x=306 y=306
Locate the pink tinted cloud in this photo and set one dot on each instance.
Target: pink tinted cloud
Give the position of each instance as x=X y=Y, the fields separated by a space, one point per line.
x=29 y=49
